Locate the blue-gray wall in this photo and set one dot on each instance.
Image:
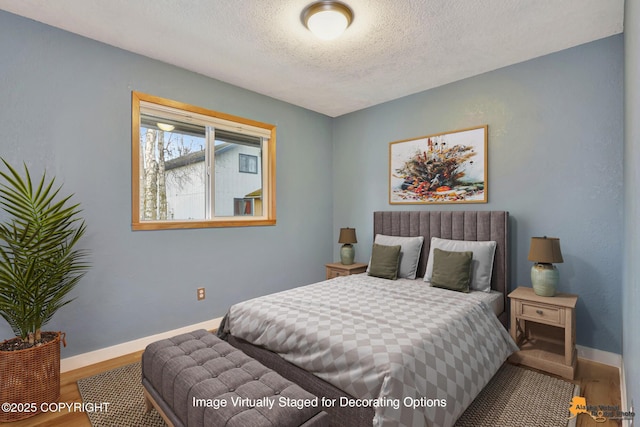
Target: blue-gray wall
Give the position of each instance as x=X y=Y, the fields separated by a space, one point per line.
x=631 y=289
x=65 y=105
x=555 y=163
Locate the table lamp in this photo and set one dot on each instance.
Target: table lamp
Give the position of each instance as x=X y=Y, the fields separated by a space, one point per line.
x=545 y=251
x=347 y=252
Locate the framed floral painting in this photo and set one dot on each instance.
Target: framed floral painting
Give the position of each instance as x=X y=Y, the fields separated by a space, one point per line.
x=442 y=168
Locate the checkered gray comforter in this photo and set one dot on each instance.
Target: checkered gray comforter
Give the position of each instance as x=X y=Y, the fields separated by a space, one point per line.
x=419 y=355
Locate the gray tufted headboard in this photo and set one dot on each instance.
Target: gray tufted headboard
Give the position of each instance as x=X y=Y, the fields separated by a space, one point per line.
x=454 y=225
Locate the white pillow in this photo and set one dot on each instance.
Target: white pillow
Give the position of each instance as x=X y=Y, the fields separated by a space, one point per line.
x=409 y=253
x=481 y=263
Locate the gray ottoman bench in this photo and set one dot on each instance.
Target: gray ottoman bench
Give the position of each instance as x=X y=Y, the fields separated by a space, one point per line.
x=197 y=379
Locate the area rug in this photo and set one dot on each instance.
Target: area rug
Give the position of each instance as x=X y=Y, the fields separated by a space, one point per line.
x=518 y=397
x=515 y=397
x=121 y=388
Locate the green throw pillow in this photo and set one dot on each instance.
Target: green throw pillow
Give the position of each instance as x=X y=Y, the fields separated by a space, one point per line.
x=451 y=270
x=385 y=261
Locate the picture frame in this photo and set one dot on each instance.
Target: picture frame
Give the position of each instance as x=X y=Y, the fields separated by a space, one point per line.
x=449 y=167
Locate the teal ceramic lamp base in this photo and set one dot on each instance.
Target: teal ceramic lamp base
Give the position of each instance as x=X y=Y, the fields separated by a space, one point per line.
x=544 y=279
x=347 y=254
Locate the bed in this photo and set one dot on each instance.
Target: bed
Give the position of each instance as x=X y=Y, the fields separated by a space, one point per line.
x=382 y=352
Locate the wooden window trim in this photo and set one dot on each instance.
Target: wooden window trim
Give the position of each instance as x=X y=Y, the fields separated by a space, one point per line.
x=269 y=171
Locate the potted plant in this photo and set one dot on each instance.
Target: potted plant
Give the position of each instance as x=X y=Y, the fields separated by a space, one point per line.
x=39 y=266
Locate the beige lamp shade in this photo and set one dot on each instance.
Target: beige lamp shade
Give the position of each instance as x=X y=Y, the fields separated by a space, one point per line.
x=545 y=250
x=347 y=235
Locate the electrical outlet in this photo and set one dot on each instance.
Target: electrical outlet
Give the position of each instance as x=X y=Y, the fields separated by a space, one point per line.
x=200 y=294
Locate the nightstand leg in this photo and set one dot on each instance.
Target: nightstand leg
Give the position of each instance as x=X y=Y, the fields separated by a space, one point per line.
x=514 y=323
x=569 y=337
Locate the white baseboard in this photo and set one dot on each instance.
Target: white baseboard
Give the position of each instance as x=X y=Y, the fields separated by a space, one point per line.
x=611 y=359
x=600 y=356
x=623 y=393
x=86 y=359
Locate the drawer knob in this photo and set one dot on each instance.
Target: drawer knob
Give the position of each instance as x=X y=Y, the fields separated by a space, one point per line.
x=539 y=312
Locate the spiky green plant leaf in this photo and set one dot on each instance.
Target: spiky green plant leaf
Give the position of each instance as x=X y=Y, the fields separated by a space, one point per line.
x=39 y=264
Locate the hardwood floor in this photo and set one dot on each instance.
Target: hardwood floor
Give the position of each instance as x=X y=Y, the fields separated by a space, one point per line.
x=599 y=384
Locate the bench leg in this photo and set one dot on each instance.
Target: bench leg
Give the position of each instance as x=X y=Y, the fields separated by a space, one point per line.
x=148 y=406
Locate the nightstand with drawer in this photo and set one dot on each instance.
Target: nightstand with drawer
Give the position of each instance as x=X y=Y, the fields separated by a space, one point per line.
x=545 y=330
x=337 y=269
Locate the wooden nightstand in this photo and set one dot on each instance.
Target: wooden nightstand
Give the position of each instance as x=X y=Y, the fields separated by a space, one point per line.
x=545 y=330
x=336 y=269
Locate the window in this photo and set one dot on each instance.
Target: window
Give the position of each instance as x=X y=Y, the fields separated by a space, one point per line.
x=194 y=168
x=248 y=163
x=243 y=206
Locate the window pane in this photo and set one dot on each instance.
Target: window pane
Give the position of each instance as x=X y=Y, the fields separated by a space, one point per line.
x=238 y=177
x=173 y=173
x=248 y=163
x=243 y=207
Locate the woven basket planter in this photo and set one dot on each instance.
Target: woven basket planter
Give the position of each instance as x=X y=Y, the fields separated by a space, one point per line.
x=30 y=378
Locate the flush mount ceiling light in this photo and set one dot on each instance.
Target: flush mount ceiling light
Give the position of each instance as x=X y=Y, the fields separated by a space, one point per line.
x=327 y=19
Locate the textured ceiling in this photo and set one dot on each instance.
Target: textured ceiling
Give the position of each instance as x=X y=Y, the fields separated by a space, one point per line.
x=392 y=48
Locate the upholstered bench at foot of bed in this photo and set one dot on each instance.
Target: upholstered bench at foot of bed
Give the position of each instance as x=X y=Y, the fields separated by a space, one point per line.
x=197 y=379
